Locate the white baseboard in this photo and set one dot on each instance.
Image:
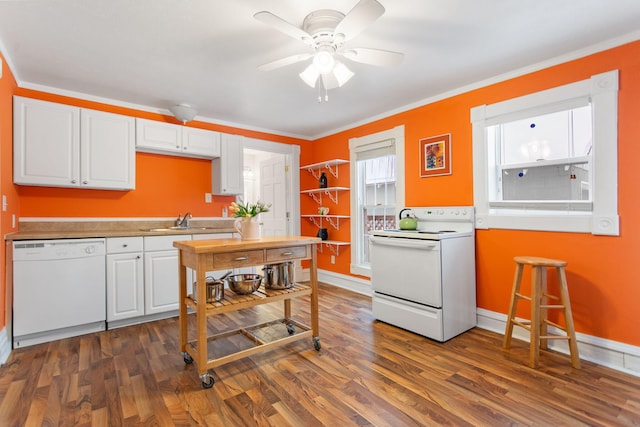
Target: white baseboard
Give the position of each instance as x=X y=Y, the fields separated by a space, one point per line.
x=351 y=283
x=5 y=346
x=612 y=354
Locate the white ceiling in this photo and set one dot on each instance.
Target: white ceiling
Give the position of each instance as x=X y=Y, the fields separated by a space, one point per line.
x=156 y=53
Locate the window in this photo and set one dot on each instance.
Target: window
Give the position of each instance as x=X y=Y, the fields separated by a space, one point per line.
x=548 y=161
x=377 y=189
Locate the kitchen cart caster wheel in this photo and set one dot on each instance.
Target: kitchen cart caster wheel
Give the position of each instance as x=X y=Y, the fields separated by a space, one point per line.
x=187 y=358
x=291 y=329
x=207 y=381
x=316 y=343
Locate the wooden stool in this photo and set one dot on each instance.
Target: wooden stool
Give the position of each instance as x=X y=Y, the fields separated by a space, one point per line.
x=539 y=299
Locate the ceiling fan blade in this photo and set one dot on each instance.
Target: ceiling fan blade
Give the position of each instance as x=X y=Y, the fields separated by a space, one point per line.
x=381 y=58
x=284 y=61
x=359 y=18
x=283 y=26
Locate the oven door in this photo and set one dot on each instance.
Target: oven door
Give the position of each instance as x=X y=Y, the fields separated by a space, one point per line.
x=407 y=269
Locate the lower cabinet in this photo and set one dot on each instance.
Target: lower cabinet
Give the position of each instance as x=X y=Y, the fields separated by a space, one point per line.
x=142 y=276
x=161 y=273
x=125 y=278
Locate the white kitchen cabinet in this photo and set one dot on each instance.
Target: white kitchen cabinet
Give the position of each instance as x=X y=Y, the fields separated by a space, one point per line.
x=227 y=170
x=65 y=146
x=125 y=278
x=161 y=273
x=200 y=142
x=159 y=137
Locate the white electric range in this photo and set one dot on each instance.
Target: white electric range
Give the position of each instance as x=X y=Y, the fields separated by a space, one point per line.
x=424 y=280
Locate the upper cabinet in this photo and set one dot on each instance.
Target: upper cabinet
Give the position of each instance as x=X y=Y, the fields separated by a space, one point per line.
x=160 y=137
x=227 y=171
x=64 y=146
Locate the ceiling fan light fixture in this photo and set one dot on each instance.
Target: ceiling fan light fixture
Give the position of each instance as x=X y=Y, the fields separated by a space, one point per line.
x=183 y=112
x=324 y=60
x=310 y=75
x=342 y=73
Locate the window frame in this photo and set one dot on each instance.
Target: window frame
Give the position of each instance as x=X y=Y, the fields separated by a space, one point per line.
x=359 y=144
x=603 y=219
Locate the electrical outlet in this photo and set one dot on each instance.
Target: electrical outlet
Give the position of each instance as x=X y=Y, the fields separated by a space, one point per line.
x=13 y=220
x=333 y=259
x=207 y=197
x=4 y=203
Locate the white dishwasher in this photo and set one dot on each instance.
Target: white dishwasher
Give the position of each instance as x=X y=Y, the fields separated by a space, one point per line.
x=58 y=289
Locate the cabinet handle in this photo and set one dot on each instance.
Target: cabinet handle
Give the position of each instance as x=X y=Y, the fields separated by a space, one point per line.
x=73 y=181
x=287 y=253
x=241 y=258
x=138 y=257
x=125 y=245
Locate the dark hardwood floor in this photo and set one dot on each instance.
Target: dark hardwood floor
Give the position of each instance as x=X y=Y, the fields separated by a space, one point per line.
x=367 y=374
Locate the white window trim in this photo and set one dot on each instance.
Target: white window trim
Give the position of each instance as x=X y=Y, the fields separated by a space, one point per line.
x=397 y=134
x=602 y=89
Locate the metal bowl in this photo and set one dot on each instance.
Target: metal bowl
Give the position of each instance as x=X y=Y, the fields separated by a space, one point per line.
x=244 y=284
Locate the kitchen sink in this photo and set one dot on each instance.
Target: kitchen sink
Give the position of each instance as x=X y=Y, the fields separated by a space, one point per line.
x=160 y=229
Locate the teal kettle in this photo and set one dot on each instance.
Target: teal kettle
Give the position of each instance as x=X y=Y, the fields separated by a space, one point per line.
x=409 y=222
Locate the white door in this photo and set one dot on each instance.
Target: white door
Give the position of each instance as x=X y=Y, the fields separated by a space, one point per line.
x=46 y=143
x=125 y=286
x=108 y=150
x=273 y=190
x=160 y=281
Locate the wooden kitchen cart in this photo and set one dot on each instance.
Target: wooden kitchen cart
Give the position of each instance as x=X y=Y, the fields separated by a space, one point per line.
x=210 y=255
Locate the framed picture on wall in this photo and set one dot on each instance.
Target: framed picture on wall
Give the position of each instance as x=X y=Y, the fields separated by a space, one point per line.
x=435 y=155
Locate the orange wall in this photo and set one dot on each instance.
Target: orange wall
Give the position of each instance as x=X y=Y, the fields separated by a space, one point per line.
x=7 y=88
x=602 y=280
x=165 y=185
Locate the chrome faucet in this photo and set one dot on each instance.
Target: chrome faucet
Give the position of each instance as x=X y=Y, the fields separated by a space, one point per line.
x=184 y=222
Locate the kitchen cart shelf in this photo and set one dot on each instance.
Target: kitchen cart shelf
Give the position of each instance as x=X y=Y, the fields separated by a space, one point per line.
x=210 y=255
x=233 y=301
x=329 y=164
x=331 y=192
x=334 y=220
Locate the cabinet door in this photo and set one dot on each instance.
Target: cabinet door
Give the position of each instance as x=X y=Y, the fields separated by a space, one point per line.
x=46 y=143
x=158 y=136
x=227 y=171
x=108 y=150
x=125 y=286
x=200 y=142
x=161 y=281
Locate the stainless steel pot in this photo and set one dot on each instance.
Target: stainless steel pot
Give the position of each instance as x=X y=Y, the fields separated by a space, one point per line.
x=279 y=276
x=215 y=290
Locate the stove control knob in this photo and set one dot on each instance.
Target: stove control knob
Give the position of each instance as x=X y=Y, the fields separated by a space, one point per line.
x=441 y=212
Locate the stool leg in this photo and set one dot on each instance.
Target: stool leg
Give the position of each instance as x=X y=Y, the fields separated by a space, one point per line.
x=512 y=306
x=543 y=326
x=568 y=318
x=534 y=344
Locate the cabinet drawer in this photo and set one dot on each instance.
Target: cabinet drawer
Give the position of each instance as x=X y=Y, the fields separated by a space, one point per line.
x=120 y=245
x=163 y=243
x=288 y=253
x=238 y=259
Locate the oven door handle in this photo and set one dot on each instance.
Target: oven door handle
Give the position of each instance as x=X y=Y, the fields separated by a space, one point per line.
x=404 y=243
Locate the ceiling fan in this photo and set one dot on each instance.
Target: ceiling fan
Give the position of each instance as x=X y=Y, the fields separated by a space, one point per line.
x=326 y=32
